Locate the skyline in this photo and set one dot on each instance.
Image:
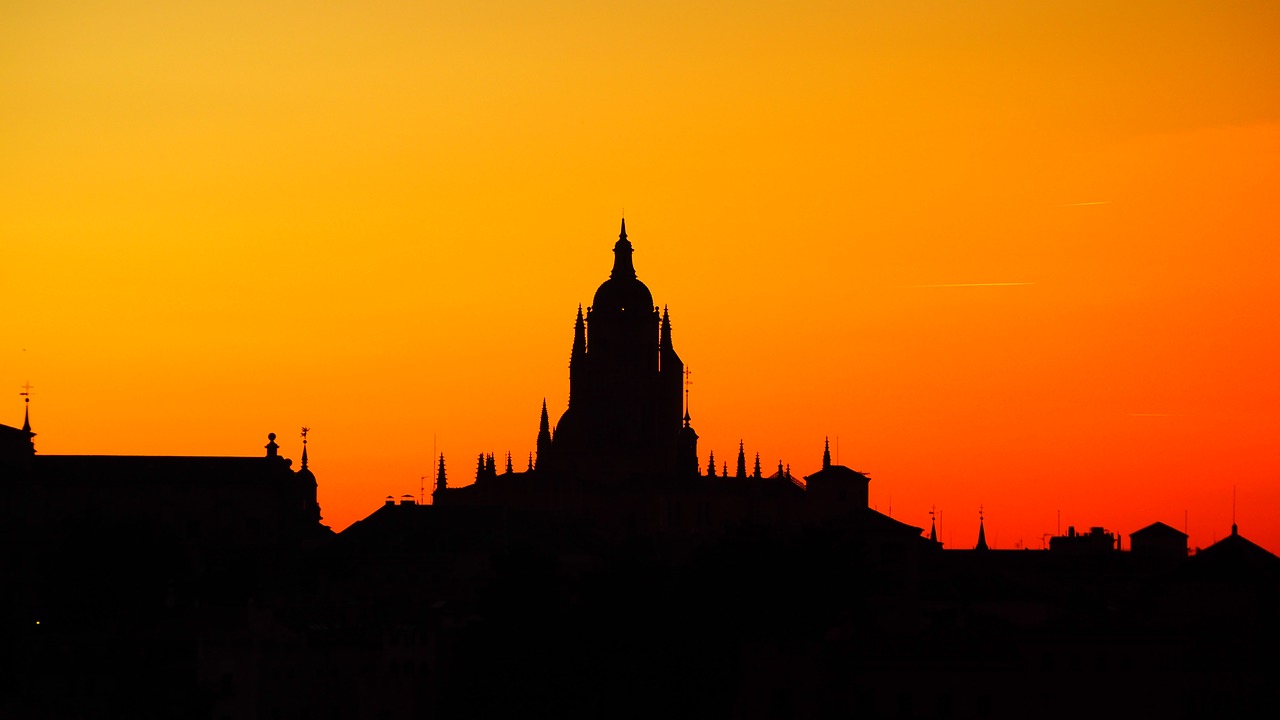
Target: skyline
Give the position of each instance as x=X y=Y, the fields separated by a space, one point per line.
x=1019 y=259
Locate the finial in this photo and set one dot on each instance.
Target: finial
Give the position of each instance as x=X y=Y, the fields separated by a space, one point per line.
x=623 y=234
x=305 y=430
x=826 y=453
x=272 y=447
x=26 y=403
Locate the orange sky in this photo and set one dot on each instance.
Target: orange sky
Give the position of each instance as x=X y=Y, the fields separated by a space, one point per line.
x=377 y=219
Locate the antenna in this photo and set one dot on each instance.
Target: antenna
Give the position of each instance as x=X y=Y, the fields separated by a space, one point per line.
x=422 y=489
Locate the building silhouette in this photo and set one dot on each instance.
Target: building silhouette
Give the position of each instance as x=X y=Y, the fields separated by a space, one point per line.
x=613 y=575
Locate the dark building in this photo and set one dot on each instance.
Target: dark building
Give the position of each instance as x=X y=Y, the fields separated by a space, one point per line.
x=609 y=577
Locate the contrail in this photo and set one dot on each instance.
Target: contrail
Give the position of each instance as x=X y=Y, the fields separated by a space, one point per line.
x=1096 y=202
x=1005 y=284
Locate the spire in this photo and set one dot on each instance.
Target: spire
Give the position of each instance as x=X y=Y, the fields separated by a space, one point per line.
x=664 y=337
x=509 y=470
x=742 y=461
x=982 y=532
x=726 y=469
x=531 y=462
x=622 y=267
x=757 y=472
x=933 y=525
x=441 y=483
x=780 y=474
x=480 y=467
x=826 y=453
x=579 y=336
x=711 y=464
x=544 y=434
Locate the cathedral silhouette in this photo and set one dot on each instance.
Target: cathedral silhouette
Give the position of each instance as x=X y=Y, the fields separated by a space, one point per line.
x=612 y=576
x=624 y=454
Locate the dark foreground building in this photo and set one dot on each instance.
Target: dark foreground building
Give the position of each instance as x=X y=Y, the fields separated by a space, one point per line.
x=612 y=577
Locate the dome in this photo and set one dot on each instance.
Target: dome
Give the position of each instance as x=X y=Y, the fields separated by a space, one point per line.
x=621 y=294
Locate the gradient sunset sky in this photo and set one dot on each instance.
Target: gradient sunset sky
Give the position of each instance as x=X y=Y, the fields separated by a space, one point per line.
x=1016 y=255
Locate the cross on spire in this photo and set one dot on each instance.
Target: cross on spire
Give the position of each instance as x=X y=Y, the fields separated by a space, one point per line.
x=305 y=430
x=26 y=408
x=687 y=383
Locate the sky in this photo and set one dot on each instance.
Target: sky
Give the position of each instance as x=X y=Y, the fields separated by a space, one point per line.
x=1017 y=257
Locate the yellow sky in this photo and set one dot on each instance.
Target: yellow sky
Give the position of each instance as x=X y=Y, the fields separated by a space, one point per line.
x=377 y=219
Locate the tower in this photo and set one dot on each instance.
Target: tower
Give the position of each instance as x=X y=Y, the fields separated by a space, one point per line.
x=624 y=419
